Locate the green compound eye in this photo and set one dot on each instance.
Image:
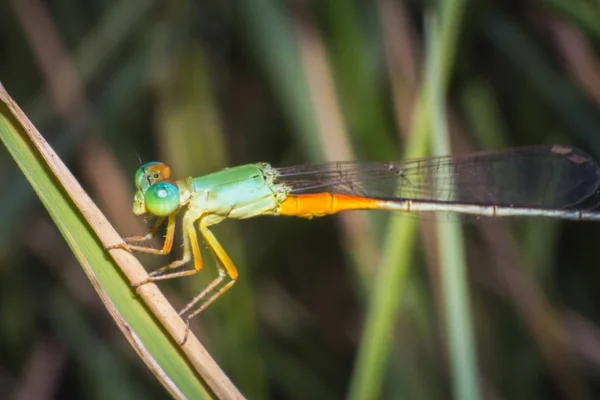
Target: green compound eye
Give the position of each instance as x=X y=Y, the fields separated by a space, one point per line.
x=162 y=199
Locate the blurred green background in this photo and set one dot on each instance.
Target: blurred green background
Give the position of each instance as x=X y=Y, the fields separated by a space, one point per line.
x=208 y=84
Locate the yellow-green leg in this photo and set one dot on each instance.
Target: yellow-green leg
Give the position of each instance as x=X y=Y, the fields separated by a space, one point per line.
x=228 y=274
x=191 y=250
x=167 y=245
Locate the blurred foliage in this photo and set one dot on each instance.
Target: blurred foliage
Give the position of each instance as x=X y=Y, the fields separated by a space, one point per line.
x=208 y=84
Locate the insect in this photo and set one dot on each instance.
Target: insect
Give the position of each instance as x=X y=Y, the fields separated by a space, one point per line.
x=549 y=181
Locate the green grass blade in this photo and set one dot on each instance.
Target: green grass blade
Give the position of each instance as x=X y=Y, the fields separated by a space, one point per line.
x=87 y=233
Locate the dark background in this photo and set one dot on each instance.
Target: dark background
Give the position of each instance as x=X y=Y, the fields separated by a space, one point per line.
x=208 y=84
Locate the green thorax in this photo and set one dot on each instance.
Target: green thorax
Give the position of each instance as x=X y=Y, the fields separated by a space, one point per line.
x=239 y=192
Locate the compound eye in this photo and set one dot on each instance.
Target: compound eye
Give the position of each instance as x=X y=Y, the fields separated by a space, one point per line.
x=151 y=173
x=162 y=199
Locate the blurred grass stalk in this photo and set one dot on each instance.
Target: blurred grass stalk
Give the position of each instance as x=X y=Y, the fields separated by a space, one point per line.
x=387 y=289
x=453 y=264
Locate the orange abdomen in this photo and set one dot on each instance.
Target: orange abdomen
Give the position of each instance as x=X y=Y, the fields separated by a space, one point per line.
x=320 y=204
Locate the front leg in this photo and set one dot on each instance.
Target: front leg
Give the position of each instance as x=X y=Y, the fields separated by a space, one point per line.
x=150 y=235
x=191 y=250
x=167 y=245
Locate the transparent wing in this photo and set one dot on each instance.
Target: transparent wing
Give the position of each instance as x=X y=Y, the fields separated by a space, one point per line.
x=540 y=176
